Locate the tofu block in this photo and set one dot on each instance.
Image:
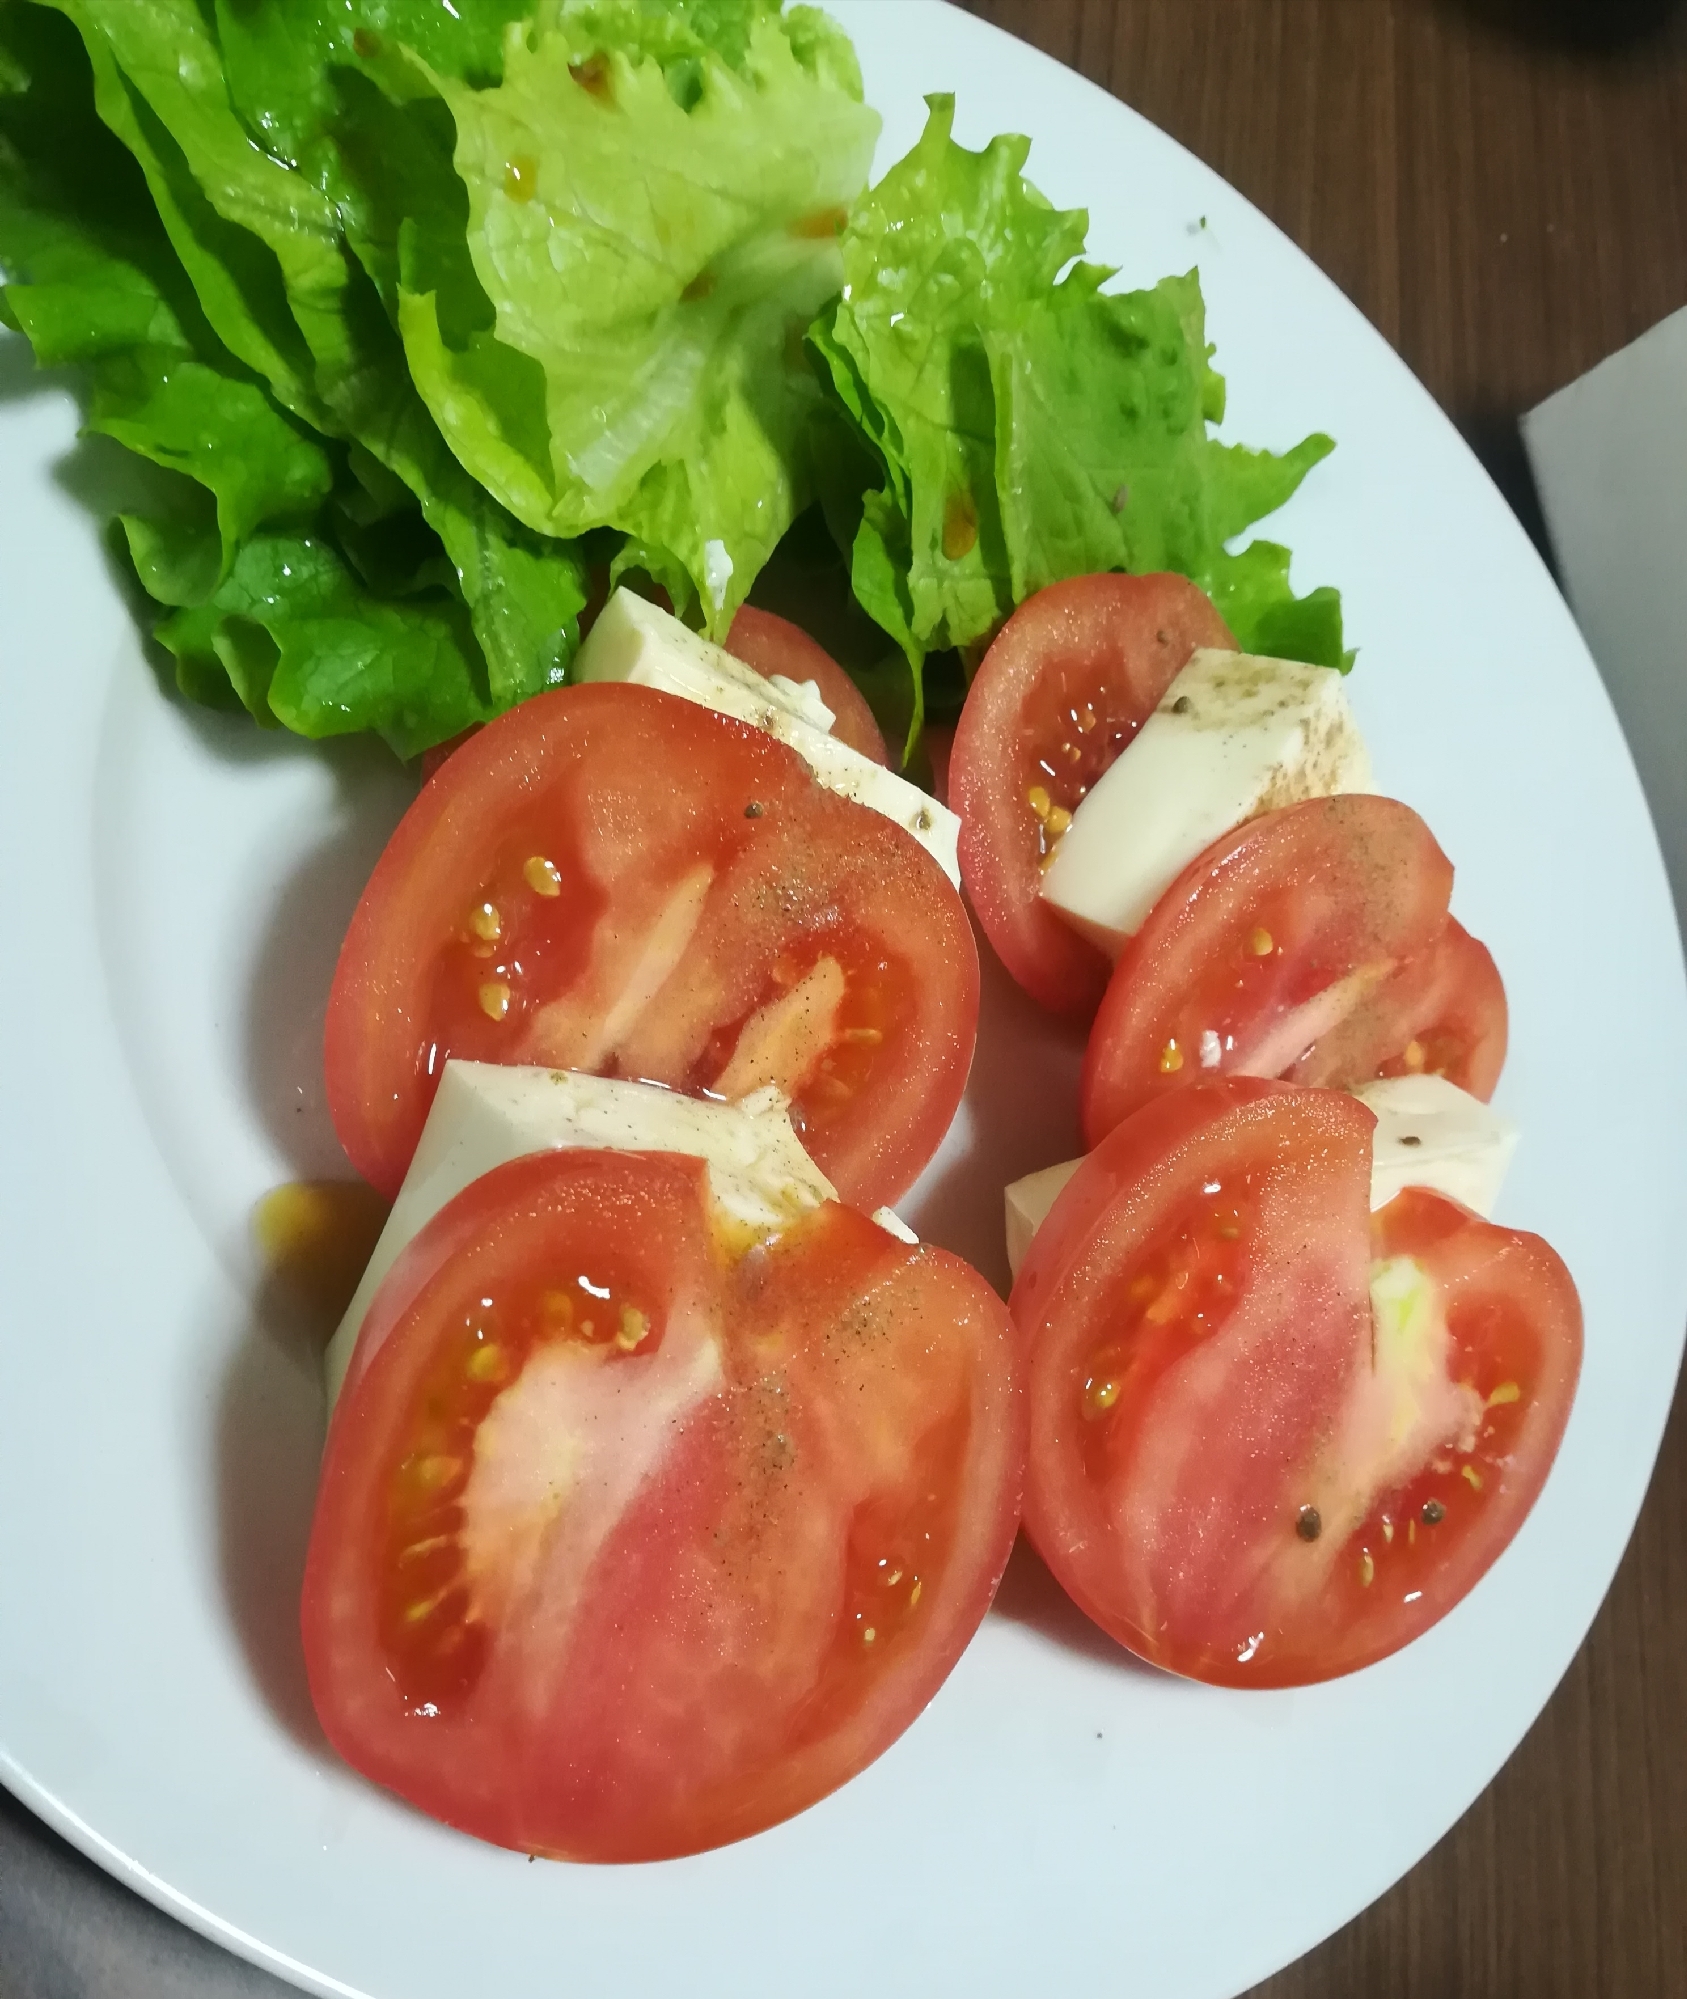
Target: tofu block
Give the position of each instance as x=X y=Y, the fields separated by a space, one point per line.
x=486 y=1113
x=1027 y=1202
x=1234 y=736
x=639 y=643
x=1429 y=1133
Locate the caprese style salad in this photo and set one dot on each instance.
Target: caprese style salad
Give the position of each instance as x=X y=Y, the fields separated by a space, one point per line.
x=500 y=371
x=668 y=1476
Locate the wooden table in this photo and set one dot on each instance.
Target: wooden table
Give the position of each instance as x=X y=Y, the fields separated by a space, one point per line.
x=1502 y=189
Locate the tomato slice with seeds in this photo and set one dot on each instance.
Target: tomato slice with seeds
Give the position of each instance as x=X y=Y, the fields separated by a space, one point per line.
x=1068 y=681
x=772 y=644
x=1312 y=943
x=1443 y=1013
x=611 y=879
x=1274 y=1438
x=629 y=1544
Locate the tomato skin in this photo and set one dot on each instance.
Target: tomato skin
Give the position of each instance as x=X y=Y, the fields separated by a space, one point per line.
x=1514 y=1309
x=441 y=754
x=1106 y=646
x=772 y=644
x=940 y=749
x=643 y=798
x=1311 y=943
x=1198 y=1316
x=668 y=1640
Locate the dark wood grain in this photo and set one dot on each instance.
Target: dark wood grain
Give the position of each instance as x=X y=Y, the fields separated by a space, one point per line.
x=1502 y=189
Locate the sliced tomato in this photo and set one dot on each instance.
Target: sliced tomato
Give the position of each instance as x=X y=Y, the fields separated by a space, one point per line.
x=774 y=645
x=1312 y=943
x=612 y=879
x=1443 y=1013
x=1071 y=677
x=442 y=753
x=1274 y=1438
x=940 y=748
x=626 y=1545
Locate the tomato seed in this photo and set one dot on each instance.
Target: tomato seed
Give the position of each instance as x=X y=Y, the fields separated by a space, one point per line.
x=486 y=1363
x=435 y=1472
x=1100 y=1393
x=542 y=877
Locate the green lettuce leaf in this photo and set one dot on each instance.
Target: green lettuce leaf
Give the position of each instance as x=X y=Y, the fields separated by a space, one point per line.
x=1026 y=425
x=641 y=367
x=262 y=244
x=1253 y=595
x=91 y=279
x=304 y=645
x=259 y=244
x=96 y=279
x=288 y=64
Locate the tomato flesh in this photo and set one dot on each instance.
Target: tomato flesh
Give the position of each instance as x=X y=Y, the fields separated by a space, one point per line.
x=1239 y=1467
x=1067 y=683
x=612 y=880
x=772 y=644
x=629 y=1544
x=1443 y=1013
x=1312 y=943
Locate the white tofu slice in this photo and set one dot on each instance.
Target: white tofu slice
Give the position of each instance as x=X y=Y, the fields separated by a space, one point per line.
x=1234 y=736
x=486 y=1113
x=1027 y=1201
x=1429 y=1133
x=639 y=642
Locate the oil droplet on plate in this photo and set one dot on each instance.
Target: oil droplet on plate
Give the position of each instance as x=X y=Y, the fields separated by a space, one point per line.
x=315 y=1238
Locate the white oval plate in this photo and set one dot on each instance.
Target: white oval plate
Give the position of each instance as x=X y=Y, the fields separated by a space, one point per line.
x=1060 y=1819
